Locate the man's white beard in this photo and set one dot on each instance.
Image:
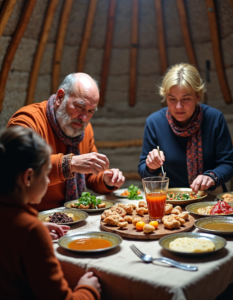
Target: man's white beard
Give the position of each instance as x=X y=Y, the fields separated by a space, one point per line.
x=64 y=121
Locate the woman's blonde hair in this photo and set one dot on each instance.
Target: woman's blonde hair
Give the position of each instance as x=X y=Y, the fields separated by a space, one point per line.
x=184 y=75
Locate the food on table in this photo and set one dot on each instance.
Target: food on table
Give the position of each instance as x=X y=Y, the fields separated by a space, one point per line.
x=221 y=208
x=140 y=211
x=156 y=204
x=122 y=224
x=132 y=193
x=221 y=226
x=117 y=216
x=228 y=197
x=176 y=210
x=168 y=209
x=142 y=204
x=136 y=220
x=89 y=244
x=86 y=201
x=183 y=196
x=128 y=219
x=171 y=223
x=119 y=210
x=204 y=210
x=148 y=228
x=191 y=245
x=154 y=223
x=60 y=218
x=140 y=225
x=128 y=209
x=184 y=215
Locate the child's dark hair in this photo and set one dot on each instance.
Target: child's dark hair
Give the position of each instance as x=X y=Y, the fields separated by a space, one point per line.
x=20 y=148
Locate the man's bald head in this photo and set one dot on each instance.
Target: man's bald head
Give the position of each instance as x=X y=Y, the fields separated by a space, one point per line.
x=79 y=83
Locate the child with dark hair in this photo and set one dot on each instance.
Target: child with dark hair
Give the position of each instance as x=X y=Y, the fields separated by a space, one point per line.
x=28 y=266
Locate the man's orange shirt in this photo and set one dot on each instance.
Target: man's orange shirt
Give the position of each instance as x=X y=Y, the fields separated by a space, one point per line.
x=34 y=116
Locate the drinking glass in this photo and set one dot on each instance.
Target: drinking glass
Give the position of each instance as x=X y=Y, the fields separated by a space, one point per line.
x=155 y=189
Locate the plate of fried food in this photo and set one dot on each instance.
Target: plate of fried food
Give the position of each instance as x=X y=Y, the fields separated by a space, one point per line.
x=132 y=221
x=183 y=196
x=132 y=193
x=192 y=243
x=210 y=208
x=89 y=203
x=62 y=216
x=227 y=197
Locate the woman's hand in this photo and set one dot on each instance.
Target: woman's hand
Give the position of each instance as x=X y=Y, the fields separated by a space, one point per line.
x=91 y=280
x=202 y=183
x=154 y=161
x=56 y=231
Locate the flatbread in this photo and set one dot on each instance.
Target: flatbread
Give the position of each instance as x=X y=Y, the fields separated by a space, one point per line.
x=191 y=245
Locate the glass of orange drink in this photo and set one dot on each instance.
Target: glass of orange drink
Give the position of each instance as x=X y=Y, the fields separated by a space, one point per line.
x=155 y=189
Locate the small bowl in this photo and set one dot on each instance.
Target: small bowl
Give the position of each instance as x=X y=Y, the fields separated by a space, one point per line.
x=204 y=221
x=113 y=238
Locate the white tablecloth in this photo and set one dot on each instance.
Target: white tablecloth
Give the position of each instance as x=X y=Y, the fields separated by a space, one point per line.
x=124 y=276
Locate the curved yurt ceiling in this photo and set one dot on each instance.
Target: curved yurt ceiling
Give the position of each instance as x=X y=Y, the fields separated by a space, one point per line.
x=126 y=45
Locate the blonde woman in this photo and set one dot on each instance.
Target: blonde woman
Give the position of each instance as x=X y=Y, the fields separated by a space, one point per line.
x=194 y=138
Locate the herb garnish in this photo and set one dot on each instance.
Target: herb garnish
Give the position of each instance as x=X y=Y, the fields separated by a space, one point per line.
x=133 y=190
x=87 y=199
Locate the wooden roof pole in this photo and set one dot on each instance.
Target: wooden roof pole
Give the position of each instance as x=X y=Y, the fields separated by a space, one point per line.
x=217 y=51
x=186 y=32
x=107 y=50
x=86 y=35
x=231 y=1
x=6 y=13
x=8 y=59
x=40 y=51
x=133 y=53
x=161 y=37
x=60 y=43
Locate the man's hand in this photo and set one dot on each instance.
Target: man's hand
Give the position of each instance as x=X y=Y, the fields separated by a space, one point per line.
x=202 y=183
x=154 y=161
x=91 y=163
x=114 y=177
x=90 y=279
x=56 y=231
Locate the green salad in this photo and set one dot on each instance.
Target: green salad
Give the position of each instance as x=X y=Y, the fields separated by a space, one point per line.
x=134 y=192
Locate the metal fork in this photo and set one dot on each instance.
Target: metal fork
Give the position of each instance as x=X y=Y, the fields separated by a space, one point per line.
x=148 y=258
x=164 y=173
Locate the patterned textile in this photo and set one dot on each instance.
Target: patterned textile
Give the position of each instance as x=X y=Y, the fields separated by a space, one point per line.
x=76 y=185
x=194 y=147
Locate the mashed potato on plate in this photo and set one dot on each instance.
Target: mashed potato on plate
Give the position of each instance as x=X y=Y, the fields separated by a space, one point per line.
x=191 y=245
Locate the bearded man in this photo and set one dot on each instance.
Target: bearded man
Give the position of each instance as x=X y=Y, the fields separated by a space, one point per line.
x=63 y=121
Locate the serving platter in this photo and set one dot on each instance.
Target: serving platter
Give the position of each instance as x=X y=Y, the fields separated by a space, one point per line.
x=113 y=238
x=130 y=231
x=192 y=208
x=219 y=196
x=218 y=241
x=217 y=221
x=89 y=210
x=78 y=215
x=184 y=202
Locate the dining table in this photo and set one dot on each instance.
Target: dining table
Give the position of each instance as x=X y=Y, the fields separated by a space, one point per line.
x=124 y=276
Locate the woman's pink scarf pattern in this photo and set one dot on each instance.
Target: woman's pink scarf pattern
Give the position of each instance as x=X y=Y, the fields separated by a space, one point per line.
x=74 y=186
x=194 y=147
